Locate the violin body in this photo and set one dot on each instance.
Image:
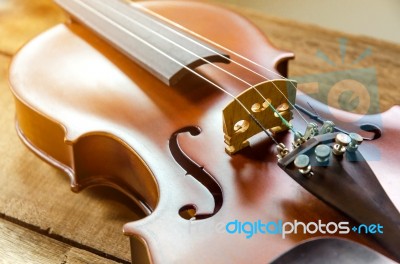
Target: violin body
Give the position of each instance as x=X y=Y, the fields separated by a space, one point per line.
x=87 y=109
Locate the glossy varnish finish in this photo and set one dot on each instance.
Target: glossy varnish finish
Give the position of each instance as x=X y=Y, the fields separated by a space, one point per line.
x=107 y=121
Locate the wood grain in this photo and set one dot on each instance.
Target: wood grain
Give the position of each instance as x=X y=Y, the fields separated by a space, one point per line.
x=22 y=20
x=33 y=193
x=21 y=245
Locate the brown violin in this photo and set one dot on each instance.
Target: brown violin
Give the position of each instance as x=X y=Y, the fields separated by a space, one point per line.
x=186 y=108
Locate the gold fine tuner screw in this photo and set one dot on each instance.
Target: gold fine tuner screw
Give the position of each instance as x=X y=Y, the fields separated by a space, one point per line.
x=341 y=142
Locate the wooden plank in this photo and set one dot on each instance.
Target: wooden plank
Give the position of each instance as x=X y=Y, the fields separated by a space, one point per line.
x=22 y=20
x=19 y=245
x=32 y=192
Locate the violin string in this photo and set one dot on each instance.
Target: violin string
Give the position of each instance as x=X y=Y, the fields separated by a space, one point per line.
x=177 y=25
x=269 y=134
x=206 y=61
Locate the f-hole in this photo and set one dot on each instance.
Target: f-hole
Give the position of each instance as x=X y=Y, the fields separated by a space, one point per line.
x=371 y=128
x=196 y=171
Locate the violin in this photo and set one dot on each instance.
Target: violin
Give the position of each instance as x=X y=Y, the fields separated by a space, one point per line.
x=186 y=108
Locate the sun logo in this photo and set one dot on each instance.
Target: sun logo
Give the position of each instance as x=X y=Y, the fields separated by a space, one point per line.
x=343 y=48
x=350 y=88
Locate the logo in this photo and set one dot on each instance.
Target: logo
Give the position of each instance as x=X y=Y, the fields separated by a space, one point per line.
x=351 y=86
x=249 y=229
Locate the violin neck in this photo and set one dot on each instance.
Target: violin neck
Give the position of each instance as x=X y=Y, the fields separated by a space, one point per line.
x=152 y=43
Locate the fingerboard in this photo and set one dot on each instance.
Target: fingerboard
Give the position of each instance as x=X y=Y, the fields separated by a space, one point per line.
x=147 y=40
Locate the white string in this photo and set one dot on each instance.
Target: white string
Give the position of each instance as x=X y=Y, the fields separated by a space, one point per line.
x=219 y=46
x=181 y=64
x=205 y=60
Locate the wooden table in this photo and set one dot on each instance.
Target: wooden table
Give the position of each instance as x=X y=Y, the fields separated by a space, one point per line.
x=42 y=221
